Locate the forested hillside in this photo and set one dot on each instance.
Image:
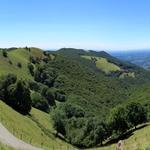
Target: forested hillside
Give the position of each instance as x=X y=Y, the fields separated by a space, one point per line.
x=84 y=91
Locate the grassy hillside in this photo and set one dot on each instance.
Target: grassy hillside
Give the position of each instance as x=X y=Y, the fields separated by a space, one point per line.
x=36 y=129
x=119 y=68
x=4 y=147
x=103 y=64
x=15 y=56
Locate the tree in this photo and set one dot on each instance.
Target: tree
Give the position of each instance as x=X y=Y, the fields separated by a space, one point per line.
x=19 y=97
x=34 y=86
x=34 y=60
x=72 y=110
x=118 y=120
x=60 y=96
x=101 y=132
x=60 y=81
x=50 y=96
x=39 y=102
x=95 y=132
x=59 y=121
x=136 y=114
x=5 y=82
x=5 y=54
x=45 y=75
x=31 y=68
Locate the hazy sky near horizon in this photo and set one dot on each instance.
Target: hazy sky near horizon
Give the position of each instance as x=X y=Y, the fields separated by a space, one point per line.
x=89 y=24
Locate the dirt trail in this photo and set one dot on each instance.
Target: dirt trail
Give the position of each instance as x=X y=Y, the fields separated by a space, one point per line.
x=8 y=139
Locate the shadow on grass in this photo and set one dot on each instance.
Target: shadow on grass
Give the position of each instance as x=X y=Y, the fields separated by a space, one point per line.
x=124 y=136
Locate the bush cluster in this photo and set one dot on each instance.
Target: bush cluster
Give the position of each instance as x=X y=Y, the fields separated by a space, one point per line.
x=84 y=131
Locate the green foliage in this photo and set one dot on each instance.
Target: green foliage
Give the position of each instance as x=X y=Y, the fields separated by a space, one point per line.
x=72 y=110
x=5 y=54
x=39 y=102
x=19 y=97
x=45 y=75
x=60 y=81
x=31 y=68
x=59 y=121
x=118 y=120
x=5 y=82
x=60 y=95
x=123 y=118
x=79 y=130
x=34 y=59
x=136 y=114
x=95 y=132
x=103 y=64
x=19 y=65
x=49 y=94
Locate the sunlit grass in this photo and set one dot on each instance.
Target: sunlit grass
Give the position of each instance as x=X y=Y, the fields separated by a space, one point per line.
x=29 y=130
x=103 y=64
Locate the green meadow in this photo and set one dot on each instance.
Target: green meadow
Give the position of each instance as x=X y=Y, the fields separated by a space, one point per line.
x=103 y=64
x=19 y=55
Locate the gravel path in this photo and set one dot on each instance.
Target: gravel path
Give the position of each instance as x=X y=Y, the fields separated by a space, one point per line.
x=8 y=139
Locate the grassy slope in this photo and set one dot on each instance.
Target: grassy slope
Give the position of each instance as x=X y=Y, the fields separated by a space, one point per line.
x=19 y=55
x=4 y=147
x=29 y=131
x=103 y=64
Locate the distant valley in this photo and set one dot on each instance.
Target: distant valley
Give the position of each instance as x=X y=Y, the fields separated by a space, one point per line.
x=140 y=57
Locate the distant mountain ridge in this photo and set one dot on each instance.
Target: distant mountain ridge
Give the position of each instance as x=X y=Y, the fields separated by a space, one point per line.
x=140 y=58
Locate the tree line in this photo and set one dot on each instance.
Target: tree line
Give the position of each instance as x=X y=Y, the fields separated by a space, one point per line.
x=83 y=131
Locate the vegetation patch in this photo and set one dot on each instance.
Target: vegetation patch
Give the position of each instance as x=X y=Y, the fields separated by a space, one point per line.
x=103 y=64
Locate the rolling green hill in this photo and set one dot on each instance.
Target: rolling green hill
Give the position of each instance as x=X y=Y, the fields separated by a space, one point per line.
x=15 y=56
x=89 y=82
x=103 y=64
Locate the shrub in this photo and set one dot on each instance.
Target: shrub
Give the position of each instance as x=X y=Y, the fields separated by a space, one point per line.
x=34 y=60
x=19 y=65
x=31 y=68
x=60 y=96
x=10 y=62
x=5 y=82
x=19 y=97
x=39 y=102
x=58 y=117
x=34 y=85
x=5 y=54
x=45 y=75
x=49 y=94
x=118 y=120
x=136 y=114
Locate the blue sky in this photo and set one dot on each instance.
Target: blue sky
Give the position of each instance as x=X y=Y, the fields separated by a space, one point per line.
x=88 y=24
